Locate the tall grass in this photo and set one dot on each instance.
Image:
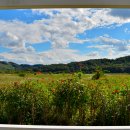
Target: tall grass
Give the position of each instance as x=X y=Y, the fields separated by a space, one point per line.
x=69 y=100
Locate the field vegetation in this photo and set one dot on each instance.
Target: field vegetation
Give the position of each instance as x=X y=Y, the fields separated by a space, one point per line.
x=65 y=99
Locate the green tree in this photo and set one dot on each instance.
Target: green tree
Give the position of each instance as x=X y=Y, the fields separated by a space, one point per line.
x=98 y=73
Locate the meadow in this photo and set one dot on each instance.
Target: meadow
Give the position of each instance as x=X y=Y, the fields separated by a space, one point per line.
x=65 y=99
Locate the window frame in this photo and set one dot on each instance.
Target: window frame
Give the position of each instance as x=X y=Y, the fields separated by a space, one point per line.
x=26 y=4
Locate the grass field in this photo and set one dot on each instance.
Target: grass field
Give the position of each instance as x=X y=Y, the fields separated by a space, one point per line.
x=65 y=99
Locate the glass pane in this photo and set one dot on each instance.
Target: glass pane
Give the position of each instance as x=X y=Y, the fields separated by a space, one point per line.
x=65 y=66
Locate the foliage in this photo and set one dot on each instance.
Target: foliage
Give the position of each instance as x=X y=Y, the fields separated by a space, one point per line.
x=65 y=99
x=119 y=65
x=80 y=74
x=70 y=99
x=22 y=74
x=24 y=102
x=98 y=73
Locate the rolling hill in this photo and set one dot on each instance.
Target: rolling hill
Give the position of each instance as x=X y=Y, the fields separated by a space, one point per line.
x=119 y=65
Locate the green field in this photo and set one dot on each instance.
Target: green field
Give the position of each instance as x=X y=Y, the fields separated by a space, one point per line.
x=65 y=99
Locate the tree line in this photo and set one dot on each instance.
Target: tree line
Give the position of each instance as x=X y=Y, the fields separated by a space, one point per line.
x=119 y=65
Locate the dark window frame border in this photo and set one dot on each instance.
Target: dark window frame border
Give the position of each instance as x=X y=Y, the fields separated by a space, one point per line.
x=27 y=4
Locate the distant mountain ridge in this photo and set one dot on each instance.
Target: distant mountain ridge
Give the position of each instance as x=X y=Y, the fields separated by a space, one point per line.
x=119 y=65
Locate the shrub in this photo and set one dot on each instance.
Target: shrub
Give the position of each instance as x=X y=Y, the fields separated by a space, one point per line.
x=26 y=103
x=79 y=75
x=98 y=73
x=22 y=74
x=70 y=99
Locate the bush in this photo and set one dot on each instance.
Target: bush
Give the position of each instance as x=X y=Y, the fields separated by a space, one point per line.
x=22 y=74
x=79 y=75
x=66 y=102
x=25 y=103
x=98 y=73
x=70 y=100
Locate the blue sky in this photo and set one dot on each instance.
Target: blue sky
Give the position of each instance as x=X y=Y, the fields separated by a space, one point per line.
x=48 y=36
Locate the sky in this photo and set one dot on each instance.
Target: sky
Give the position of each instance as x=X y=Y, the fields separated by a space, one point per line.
x=52 y=36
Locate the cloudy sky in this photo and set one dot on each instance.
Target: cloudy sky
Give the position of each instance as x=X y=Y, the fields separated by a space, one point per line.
x=47 y=36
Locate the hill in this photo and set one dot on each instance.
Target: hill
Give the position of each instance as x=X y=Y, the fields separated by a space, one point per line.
x=119 y=65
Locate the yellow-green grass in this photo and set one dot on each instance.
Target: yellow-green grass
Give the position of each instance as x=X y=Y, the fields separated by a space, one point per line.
x=7 y=79
x=105 y=100
x=108 y=81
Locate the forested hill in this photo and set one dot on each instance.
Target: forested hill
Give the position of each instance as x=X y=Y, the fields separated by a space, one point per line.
x=119 y=65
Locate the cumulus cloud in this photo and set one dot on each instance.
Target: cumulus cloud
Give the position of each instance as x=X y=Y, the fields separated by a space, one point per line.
x=9 y=40
x=22 y=31
x=28 y=50
x=52 y=56
x=21 y=58
x=60 y=29
x=101 y=47
x=109 y=42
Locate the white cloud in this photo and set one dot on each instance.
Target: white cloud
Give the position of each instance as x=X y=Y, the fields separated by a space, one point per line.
x=9 y=40
x=60 y=30
x=52 y=56
x=101 y=47
x=106 y=42
x=22 y=31
x=30 y=50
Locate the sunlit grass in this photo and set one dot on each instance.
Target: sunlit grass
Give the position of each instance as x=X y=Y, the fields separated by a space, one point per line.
x=65 y=99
